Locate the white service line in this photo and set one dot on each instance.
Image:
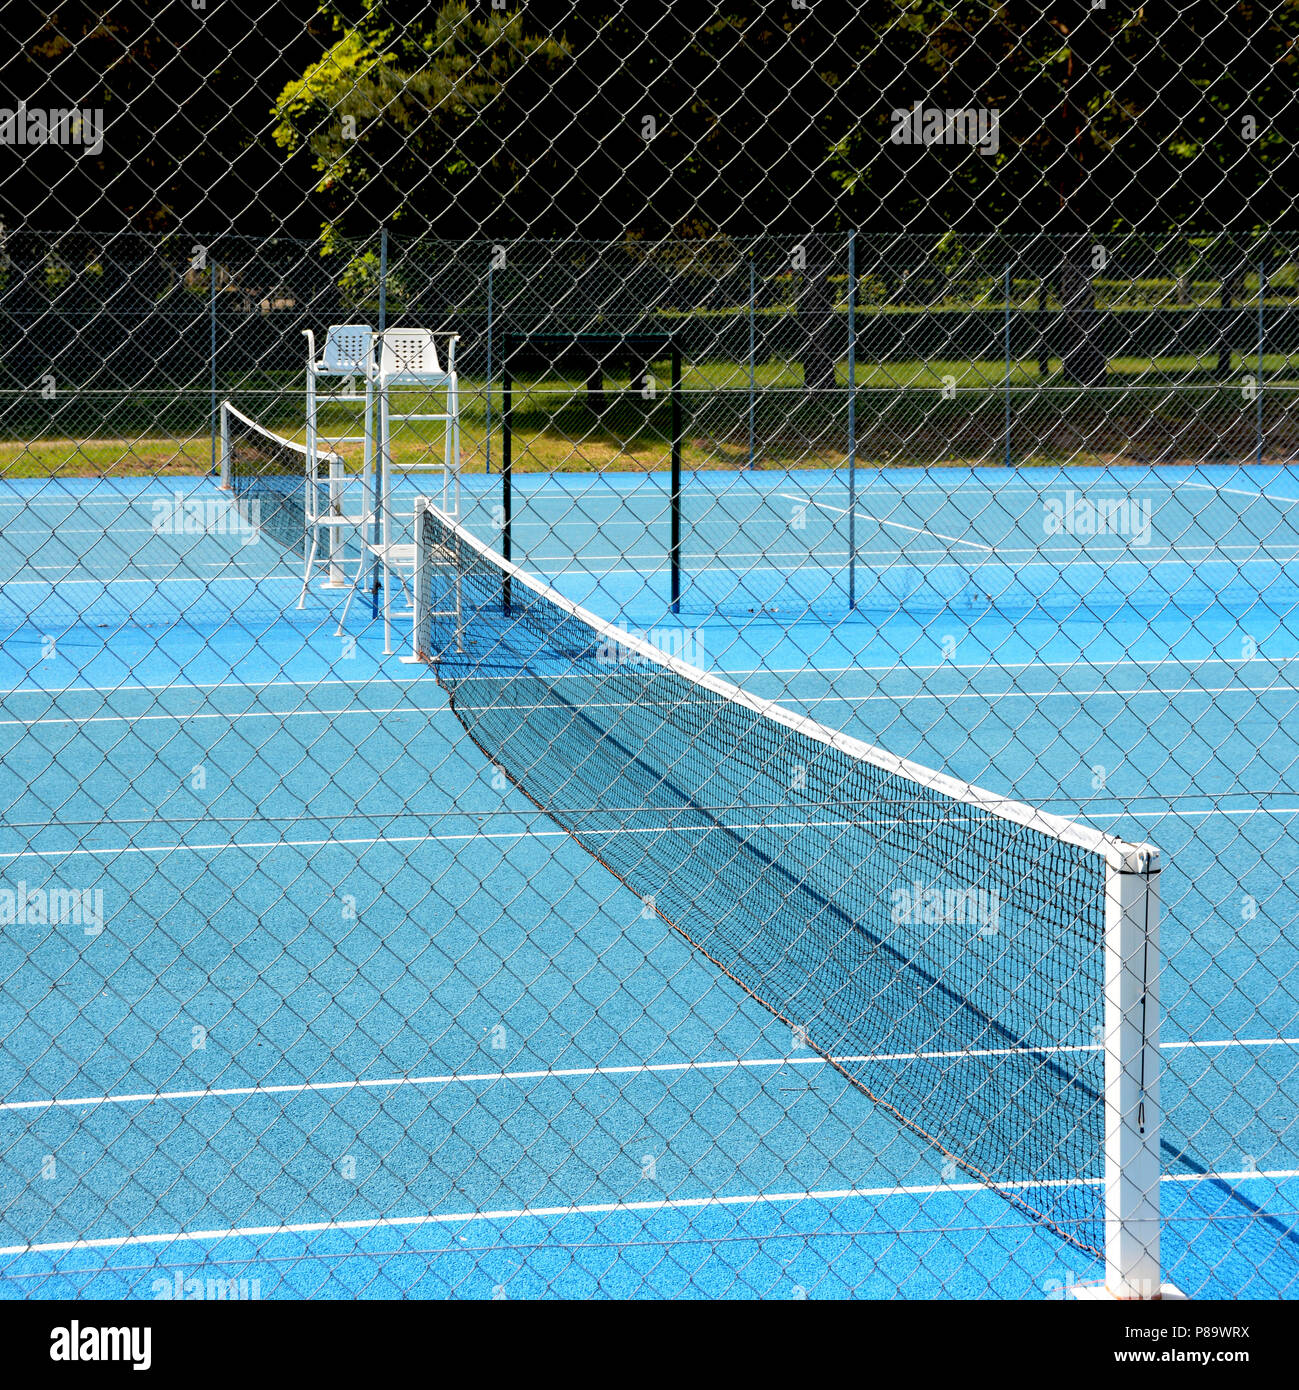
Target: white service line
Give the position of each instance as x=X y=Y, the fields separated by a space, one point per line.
x=1241 y=492
x=1079 y=695
x=122 y=506
x=730 y=673
x=767 y=483
x=937 y=562
x=1107 y=482
x=579 y=563
x=226 y=685
x=1087 y=813
x=531 y=817
x=569 y=1073
x=884 y=521
x=1073 y=663
x=349 y=710
x=247 y=577
x=606 y=1208
x=59 y=531
x=1076 y=696
x=106 y=580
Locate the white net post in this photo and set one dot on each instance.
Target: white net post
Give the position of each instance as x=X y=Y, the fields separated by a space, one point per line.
x=336 y=541
x=1132 y=1114
x=224 y=458
x=421 y=581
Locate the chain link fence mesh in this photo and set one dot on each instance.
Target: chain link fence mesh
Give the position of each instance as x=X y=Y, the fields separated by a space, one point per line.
x=927 y=369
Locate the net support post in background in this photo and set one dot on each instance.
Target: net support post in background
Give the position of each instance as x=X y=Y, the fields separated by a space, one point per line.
x=1132 y=1114
x=223 y=457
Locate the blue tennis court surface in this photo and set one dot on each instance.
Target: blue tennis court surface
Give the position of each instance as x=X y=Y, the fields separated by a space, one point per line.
x=339 y=1011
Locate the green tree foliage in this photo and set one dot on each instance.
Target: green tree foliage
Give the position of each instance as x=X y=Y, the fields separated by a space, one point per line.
x=601 y=117
x=1164 y=114
x=416 y=117
x=185 y=94
x=753 y=115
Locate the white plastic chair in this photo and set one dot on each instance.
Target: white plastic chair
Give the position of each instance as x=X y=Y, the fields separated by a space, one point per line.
x=410 y=355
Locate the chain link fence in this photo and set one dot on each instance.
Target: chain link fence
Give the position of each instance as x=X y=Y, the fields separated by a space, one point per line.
x=930 y=371
x=131 y=333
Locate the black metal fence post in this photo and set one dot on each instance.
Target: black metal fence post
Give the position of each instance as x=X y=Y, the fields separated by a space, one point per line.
x=212 y=350
x=852 y=420
x=675 y=507
x=1258 y=388
x=377 y=470
x=507 y=465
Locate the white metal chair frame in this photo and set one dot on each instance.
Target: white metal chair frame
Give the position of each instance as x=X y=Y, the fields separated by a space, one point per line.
x=348 y=353
x=409 y=357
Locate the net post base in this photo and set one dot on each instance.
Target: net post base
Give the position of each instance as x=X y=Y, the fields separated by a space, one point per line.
x=1098 y=1293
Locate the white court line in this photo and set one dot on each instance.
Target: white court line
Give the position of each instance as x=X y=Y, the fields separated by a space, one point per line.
x=999 y=549
x=869 y=479
x=533 y=817
x=631 y=1069
x=107 y=581
x=246 y=685
x=353 y=710
x=603 y=1208
x=59 y=531
x=1044 y=695
x=908 y=668
x=1105 y=486
x=580 y=562
x=1079 y=695
x=765 y=483
x=895 y=669
x=122 y=505
x=936 y=562
x=883 y=521
x=1108 y=482
x=136 y=499
x=1241 y=492
x=1088 y=813
x=107 y=585
x=349 y=710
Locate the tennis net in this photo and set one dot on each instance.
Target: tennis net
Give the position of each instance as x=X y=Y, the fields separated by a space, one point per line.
x=269 y=476
x=984 y=970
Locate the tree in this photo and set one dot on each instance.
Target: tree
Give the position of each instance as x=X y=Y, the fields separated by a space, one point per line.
x=1155 y=117
x=185 y=95
x=427 y=121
